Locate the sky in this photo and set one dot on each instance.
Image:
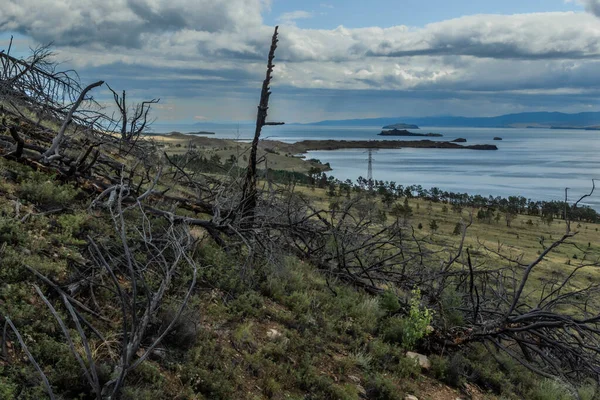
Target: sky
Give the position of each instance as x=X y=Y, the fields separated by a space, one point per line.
x=337 y=59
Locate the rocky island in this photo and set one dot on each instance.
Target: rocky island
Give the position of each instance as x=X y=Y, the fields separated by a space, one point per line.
x=401 y=126
x=404 y=132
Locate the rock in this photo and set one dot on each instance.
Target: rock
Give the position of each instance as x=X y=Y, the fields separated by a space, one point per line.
x=460 y=140
x=411 y=397
x=273 y=334
x=497 y=138
x=423 y=360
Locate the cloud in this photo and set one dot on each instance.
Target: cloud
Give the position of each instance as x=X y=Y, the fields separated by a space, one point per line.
x=197 y=48
x=524 y=36
x=592 y=6
x=289 y=18
x=126 y=23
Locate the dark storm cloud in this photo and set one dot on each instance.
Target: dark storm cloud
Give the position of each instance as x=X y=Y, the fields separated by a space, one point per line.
x=592 y=6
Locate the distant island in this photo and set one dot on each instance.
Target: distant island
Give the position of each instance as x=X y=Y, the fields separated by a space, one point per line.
x=404 y=132
x=190 y=133
x=308 y=145
x=557 y=120
x=401 y=126
x=586 y=128
x=177 y=133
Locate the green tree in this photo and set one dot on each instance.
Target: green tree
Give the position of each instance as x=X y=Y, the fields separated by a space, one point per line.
x=457 y=229
x=433 y=225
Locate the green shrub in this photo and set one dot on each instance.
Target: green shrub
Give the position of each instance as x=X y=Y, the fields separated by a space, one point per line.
x=364 y=314
x=389 y=301
x=249 y=304
x=455 y=373
x=392 y=330
x=407 y=367
x=221 y=270
x=588 y=391
x=243 y=338
x=550 y=390
x=319 y=386
x=439 y=367
x=385 y=356
x=361 y=359
x=450 y=309
x=73 y=224
x=11 y=232
x=208 y=369
x=408 y=330
x=380 y=387
x=417 y=322
x=8 y=390
x=41 y=190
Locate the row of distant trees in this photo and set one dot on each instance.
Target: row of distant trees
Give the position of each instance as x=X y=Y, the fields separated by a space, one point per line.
x=390 y=192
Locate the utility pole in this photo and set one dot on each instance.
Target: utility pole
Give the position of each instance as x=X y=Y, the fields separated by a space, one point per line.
x=370 y=171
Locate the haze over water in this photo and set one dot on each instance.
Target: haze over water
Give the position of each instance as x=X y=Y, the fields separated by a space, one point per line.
x=534 y=163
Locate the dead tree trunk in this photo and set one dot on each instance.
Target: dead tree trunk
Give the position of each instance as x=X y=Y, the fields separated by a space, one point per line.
x=138 y=119
x=248 y=201
x=53 y=151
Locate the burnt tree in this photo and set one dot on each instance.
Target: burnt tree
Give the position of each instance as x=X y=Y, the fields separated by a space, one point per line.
x=248 y=201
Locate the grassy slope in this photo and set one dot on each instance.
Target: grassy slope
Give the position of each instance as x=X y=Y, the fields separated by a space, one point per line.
x=521 y=238
x=278 y=159
x=279 y=333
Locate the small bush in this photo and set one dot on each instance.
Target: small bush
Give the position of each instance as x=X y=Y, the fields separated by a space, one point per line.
x=455 y=373
x=8 y=390
x=38 y=189
x=243 y=338
x=392 y=330
x=407 y=331
x=389 y=302
x=550 y=390
x=380 y=387
x=249 y=304
x=450 y=309
x=11 y=232
x=439 y=367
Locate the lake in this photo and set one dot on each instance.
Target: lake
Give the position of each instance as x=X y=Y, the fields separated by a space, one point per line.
x=534 y=163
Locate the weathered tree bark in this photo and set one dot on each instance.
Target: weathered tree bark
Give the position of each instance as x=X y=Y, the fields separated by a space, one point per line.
x=52 y=152
x=248 y=202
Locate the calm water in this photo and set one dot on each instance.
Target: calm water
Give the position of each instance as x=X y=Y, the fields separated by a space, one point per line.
x=535 y=163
